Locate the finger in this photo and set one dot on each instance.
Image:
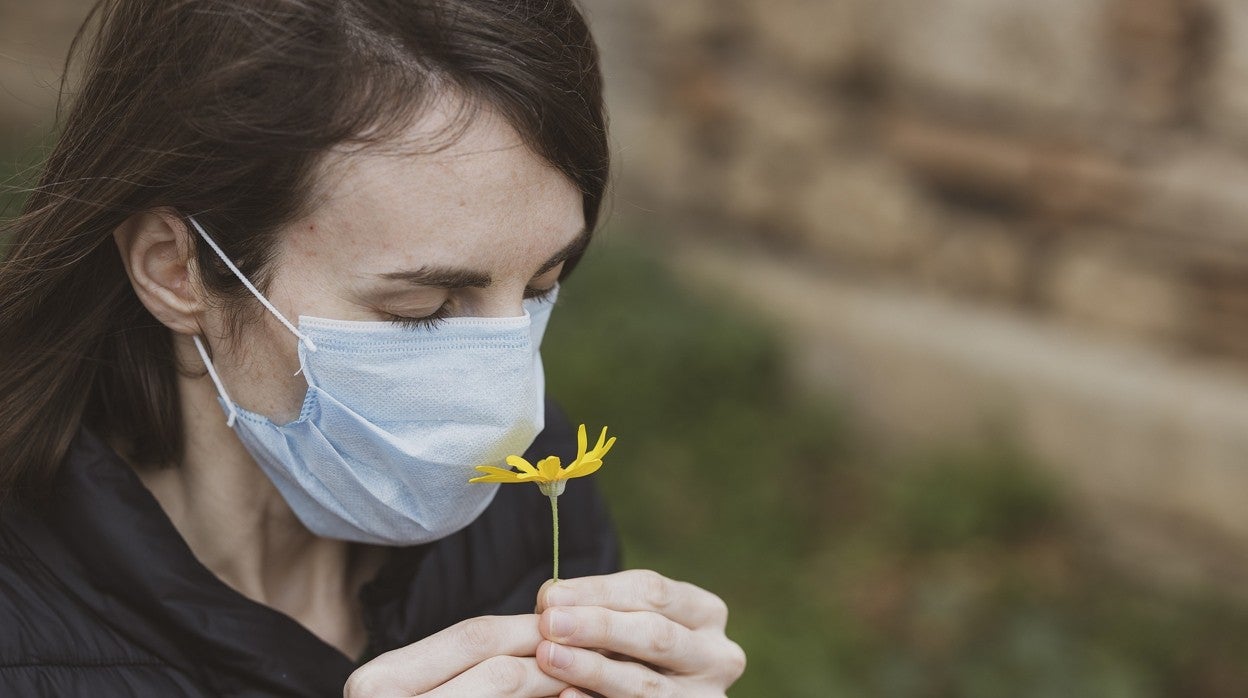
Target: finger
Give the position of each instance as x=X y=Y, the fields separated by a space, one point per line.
x=431 y=662
x=590 y=671
x=639 y=590
x=501 y=676
x=643 y=635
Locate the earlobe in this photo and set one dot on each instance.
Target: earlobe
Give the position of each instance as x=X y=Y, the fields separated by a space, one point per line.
x=157 y=252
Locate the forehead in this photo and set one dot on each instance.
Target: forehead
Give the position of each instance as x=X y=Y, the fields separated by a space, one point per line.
x=485 y=198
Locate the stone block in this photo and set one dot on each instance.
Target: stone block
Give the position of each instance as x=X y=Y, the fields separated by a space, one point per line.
x=1219 y=321
x=1104 y=285
x=1227 y=89
x=694 y=25
x=1039 y=59
x=1194 y=192
x=781 y=137
x=1158 y=51
x=782 y=110
x=863 y=211
x=813 y=38
x=977 y=256
x=662 y=166
x=1039 y=176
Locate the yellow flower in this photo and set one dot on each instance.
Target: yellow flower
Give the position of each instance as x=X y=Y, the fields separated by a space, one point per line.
x=550 y=477
x=547 y=474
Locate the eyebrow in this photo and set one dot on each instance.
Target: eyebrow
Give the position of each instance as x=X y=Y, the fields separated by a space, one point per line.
x=455 y=277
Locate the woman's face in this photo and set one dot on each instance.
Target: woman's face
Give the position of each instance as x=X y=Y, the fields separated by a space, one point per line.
x=468 y=231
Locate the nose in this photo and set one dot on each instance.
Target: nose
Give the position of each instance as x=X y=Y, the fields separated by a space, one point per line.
x=500 y=303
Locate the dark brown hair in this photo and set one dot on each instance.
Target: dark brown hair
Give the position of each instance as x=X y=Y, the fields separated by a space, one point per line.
x=221 y=109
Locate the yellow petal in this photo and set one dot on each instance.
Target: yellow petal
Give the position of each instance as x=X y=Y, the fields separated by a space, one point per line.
x=584 y=467
x=588 y=468
x=493 y=474
x=602 y=451
x=549 y=468
x=492 y=470
x=580 y=442
x=604 y=444
x=491 y=478
x=521 y=464
x=573 y=467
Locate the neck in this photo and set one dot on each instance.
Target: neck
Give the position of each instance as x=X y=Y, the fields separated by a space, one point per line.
x=238 y=525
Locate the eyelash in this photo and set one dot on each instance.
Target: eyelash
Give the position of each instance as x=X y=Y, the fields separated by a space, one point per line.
x=443 y=312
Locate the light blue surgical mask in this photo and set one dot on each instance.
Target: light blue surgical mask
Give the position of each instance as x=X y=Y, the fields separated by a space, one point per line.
x=395 y=418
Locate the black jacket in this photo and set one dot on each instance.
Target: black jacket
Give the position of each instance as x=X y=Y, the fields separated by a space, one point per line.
x=100 y=595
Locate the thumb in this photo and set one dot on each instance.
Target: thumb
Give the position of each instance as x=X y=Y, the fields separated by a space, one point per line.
x=541 y=596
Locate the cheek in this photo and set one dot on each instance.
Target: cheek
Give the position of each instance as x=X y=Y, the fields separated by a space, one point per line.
x=264 y=359
x=259 y=371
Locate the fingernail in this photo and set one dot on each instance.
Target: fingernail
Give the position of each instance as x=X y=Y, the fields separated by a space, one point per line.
x=560 y=656
x=562 y=624
x=560 y=596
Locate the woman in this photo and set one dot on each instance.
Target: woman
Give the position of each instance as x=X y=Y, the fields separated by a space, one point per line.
x=281 y=285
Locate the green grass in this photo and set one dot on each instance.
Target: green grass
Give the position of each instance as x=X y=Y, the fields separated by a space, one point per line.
x=952 y=573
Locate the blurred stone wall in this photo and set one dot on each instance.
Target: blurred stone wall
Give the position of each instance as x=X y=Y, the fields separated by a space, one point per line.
x=1083 y=160
x=973 y=211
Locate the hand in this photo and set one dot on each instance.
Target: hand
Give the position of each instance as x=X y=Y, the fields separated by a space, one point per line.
x=486 y=656
x=636 y=633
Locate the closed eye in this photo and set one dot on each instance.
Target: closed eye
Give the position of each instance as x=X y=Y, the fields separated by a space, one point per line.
x=539 y=294
x=429 y=321
x=443 y=312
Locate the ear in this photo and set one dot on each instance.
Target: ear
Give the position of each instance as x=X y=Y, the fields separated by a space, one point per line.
x=157 y=252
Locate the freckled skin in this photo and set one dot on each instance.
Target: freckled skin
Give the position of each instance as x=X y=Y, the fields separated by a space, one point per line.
x=486 y=203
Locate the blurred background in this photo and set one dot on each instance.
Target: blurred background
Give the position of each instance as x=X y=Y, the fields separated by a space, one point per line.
x=924 y=327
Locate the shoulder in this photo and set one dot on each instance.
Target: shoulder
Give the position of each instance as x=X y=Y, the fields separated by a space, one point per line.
x=51 y=640
x=37 y=612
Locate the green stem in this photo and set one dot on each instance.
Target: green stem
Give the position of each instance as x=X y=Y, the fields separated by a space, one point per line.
x=554 y=517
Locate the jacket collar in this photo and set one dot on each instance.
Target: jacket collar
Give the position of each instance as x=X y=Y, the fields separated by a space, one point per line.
x=118 y=551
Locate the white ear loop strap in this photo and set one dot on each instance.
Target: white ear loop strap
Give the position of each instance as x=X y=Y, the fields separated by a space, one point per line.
x=254 y=291
x=216 y=380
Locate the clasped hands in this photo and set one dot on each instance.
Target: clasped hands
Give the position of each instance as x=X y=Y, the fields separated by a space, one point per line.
x=632 y=633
